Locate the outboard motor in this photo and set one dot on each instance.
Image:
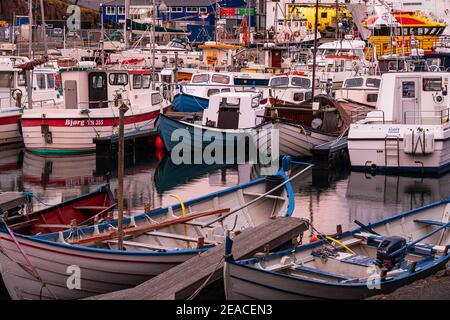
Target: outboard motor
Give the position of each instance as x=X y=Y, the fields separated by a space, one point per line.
x=388 y=246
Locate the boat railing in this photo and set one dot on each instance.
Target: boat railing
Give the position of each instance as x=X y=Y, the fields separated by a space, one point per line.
x=358 y=115
x=426 y=117
x=44 y=101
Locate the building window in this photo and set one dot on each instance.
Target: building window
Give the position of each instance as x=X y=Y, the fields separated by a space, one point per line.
x=191 y=9
x=176 y=9
x=121 y=11
x=203 y=10
x=110 y=10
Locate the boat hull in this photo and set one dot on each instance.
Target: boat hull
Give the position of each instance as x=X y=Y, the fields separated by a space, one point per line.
x=247 y=280
x=99 y=272
x=369 y=152
x=75 y=134
x=10 y=127
x=294 y=140
x=250 y=283
x=107 y=269
x=198 y=135
x=183 y=102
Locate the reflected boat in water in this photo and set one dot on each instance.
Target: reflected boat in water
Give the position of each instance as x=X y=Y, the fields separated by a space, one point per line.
x=169 y=175
x=366 y=194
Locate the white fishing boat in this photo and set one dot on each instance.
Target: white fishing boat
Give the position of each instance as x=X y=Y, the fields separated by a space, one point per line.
x=154 y=242
x=89 y=110
x=409 y=130
x=230 y=116
x=194 y=96
x=13 y=93
x=374 y=259
x=336 y=61
x=302 y=126
x=360 y=89
x=289 y=90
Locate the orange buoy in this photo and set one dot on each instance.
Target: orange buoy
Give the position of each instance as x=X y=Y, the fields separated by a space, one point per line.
x=159 y=144
x=313 y=239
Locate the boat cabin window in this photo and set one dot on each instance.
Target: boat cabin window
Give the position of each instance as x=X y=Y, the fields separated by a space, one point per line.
x=118 y=79
x=6 y=79
x=220 y=78
x=301 y=82
x=156 y=99
x=327 y=52
x=98 y=90
x=373 y=82
x=229 y=102
x=408 y=89
x=212 y=92
x=279 y=81
x=22 y=79
x=50 y=81
x=432 y=84
x=40 y=81
x=299 y=96
x=200 y=78
x=372 y=97
x=354 y=82
x=146 y=80
x=141 y=81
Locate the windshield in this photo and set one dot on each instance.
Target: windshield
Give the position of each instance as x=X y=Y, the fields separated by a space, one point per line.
x=200 y=78
x=279 y=81
x=304 y=83
x=373 y=82
x=6 y=79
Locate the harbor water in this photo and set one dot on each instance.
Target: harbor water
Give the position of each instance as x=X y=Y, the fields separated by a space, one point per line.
x=326 y=197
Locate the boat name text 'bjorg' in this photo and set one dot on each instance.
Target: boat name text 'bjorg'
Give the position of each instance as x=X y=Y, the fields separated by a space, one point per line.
x=82 y=123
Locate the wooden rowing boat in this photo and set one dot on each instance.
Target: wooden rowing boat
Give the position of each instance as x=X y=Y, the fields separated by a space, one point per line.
x=63 y=216
x=406 y=247
x=154 y=242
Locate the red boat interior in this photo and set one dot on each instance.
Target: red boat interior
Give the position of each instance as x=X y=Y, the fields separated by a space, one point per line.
x=62 y=216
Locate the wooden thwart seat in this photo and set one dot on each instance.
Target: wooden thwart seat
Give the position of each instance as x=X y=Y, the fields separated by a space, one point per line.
x=255 y=194
x=315 y=271
x=177 y=237
x=23 y=224
x=141 y=245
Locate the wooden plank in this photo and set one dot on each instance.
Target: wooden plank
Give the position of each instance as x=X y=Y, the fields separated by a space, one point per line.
x=109 y=235
x=178 y=237
x=182 y=280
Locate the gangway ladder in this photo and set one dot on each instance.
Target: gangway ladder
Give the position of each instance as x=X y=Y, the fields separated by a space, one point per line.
x=392 y=151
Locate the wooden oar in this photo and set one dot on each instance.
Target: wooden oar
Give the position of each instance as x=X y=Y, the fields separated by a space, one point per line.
x=146 y=228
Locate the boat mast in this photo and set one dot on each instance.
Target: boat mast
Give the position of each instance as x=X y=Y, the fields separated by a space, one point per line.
x=337 y=19
x=125 y=35
x=153 y=44
x=248 y=25
x=314 y=51
x=30 y=53
x=44 y=29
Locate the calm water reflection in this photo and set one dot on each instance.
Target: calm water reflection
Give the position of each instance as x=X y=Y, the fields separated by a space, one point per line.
x=327 y=198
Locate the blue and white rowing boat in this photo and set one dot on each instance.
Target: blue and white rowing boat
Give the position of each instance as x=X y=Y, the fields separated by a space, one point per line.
x=367 y=261
x=40 y=267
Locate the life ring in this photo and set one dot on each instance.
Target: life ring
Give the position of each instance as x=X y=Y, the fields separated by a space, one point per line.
x=15 y=93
